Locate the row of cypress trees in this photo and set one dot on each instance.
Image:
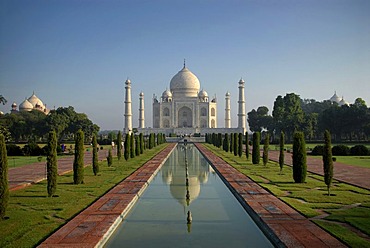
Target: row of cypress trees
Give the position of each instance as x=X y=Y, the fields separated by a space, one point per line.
x=234 y=144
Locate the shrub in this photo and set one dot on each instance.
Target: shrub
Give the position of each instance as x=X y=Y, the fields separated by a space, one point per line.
x=317 y=150
x=32 y=149
x=13 y=150
x=266 y=149
x=299 y=158
x=78 y=163
x=256 y=148
x=4 y=188
x=340 y=150
x=95 y=162
x=52 y=164
x=281 y=153
x=109 y=158
x=359 y=150
x=328 y=161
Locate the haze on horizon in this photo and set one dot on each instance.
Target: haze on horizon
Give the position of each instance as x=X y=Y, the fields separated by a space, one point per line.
x=79 y=53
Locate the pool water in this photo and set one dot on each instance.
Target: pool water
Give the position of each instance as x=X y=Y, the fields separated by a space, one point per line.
x=187 y=185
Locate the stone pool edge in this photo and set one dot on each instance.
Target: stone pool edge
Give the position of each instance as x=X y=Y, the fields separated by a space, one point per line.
x=283 y=225
x=94 y=225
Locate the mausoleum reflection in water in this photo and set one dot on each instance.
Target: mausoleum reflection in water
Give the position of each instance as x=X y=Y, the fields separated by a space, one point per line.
x=187 y=205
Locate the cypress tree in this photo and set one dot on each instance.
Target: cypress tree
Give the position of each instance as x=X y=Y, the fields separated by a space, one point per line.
x=246 y=145
x=95 y=162
x=132 y=145
x=154 y=138
x=164 y=138
x=281 y=155
x=4 y=188
x=240 y=144
x=137 y=146
x=235 y=145
x=141 y=137
x=231 y=142
x=119 y=145
x=51 y=164
x=226 y=142
x=266 y=149
x=256 y=148
x=78 y=164
x=299 y=158
x=110 y=157
x=159 y=139
x=219 y=140
x=327 y=160
x=126 y=152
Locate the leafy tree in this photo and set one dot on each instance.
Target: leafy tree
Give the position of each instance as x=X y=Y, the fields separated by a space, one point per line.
x=281 y=154
x=327 y=160
x=259 y=120
x=110 y=158
x=240 y=144
x=78 y=164
x=256 y=148
x=51 y=165
x=4 y=188
x=119 y=145
x=299 y=158
x=132 y=145
x=246 y=145
x=127 y=145
x=266 y=149
x=95 y=162
x=3 y=100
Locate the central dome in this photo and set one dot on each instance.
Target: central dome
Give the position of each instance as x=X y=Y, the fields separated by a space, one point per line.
x=185 y=83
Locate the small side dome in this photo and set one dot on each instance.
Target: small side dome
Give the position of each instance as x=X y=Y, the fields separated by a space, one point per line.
x=227 y=94
x=241 y=81
x=128 y=81
x=203 y=93
x=166 y=94
x=141 y=94
x=25 y=106
x=343 y=102
x=14 y=105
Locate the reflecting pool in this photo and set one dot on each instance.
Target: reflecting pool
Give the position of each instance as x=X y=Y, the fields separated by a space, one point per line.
x=187 y=205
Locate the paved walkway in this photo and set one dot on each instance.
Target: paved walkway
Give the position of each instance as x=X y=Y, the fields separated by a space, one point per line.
x=93 y=226
x=24 y=176
x=284 y=224
x=355 y=175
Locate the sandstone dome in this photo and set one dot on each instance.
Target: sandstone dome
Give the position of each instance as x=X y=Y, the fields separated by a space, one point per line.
x=166 y=94
x=185 y=84
x=203 y=93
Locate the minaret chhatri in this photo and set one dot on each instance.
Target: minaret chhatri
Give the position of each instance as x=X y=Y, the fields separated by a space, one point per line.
x=227 y=111
x=241 y=104
x=141 y=111
x=128 y=108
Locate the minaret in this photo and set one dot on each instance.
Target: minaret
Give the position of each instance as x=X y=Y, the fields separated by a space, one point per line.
x=128 y=108
x=141 y=111
x=227 y=111
x=241 y=103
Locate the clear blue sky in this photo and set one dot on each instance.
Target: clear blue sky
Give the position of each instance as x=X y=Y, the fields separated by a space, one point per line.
x=79 y=53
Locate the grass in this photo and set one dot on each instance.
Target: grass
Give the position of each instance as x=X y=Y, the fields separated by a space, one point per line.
x=33 y=216
x=350 y=205
x=19 y=161
x=362 y=161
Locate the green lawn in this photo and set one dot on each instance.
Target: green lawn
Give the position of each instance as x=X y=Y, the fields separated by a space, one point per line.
x=33 y=216
x=19 y=161
x=363 y=161
x=348 y=206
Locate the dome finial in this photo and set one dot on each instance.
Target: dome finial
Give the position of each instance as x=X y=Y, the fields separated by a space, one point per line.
x=184 y=63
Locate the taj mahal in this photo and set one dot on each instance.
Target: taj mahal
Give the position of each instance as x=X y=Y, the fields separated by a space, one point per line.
x=185 y=108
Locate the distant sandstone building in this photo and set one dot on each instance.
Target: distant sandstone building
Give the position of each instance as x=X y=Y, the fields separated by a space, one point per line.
x=185 y=108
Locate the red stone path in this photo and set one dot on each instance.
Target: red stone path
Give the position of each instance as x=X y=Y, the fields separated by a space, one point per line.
x=288 y=226
x=355 y=175
x=24 y=176
x=93 y=226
